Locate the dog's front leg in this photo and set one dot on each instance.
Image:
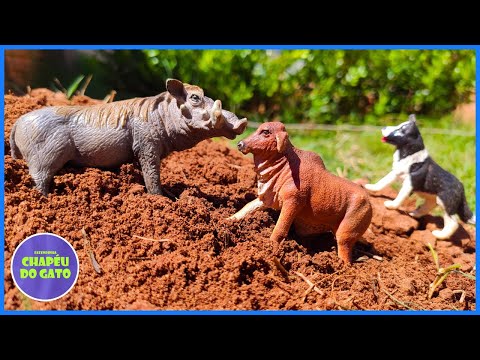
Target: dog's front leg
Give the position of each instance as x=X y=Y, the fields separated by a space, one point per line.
x=382 y=183
x=404 y=192
x=285 y=220
x=252 y=206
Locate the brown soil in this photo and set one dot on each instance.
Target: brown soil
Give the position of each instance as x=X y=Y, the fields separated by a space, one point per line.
x=210 y=263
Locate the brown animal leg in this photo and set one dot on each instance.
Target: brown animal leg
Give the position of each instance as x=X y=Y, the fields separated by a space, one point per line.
x=285 y=220
x=356 y=222
x=345 y=244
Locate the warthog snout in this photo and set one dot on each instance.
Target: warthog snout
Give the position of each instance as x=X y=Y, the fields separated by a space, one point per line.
x=240 y=126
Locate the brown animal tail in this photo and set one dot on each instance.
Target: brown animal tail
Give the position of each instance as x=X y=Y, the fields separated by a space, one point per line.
x=14 y=150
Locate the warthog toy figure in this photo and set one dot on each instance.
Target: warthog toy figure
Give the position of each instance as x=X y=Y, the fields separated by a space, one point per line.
x=108 y=135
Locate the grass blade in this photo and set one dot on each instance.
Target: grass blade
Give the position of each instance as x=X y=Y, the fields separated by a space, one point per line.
x=434 y=254
x=468 y=276
x=442 y=275
x=74 y=86
x=449 y=268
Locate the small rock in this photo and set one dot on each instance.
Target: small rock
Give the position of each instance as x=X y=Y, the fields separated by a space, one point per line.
x=330 y=304
x=424 y=236
x=398 y=223
x=406 y=285
x=393 y=221
x=445 y=294
x=467 y=268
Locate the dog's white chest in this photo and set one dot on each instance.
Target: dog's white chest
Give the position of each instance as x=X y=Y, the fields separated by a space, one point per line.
x=268 y=182
x=401 y=167
x=268 y=194
x=264 y=187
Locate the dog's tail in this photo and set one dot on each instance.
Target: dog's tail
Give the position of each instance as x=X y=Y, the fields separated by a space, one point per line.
x=14 y=150
x=465 y=213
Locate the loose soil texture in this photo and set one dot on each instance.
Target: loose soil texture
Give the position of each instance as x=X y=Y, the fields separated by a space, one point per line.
x=207 y=262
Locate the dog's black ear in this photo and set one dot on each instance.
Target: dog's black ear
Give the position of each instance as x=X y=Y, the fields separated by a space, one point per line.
x=412 y=118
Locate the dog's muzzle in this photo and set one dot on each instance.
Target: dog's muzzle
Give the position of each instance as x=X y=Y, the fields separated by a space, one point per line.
x=241 y=146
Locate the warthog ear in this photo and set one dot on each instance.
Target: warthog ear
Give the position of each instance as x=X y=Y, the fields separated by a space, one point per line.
x=176 y=88
x=282 y=141
x=412 y=118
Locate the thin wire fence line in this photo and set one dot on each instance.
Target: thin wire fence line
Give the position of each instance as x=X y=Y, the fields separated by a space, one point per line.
x=364 y=128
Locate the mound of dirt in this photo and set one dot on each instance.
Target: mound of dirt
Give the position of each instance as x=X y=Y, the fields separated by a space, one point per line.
x=207 y=262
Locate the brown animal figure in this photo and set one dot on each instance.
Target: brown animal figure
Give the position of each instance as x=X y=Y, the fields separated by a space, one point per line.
x=297 y=183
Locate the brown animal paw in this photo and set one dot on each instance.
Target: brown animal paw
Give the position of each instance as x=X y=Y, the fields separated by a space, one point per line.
x=232 y=218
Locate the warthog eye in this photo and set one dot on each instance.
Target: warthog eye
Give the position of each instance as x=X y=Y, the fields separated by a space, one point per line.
x=195 y=98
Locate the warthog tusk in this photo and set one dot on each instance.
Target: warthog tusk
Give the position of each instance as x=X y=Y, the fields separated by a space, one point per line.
x=185 y=111
x=217 y=114
x=205 y=115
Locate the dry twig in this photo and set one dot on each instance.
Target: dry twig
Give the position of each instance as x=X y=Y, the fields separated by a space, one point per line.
x=354 y=302
x=60 y=86
x=134 y=258
x=109 y=97
x=311 y=286
x=85 y=85
x=280 y=284
x=374 y=287
x=280 y=267
x=91 y=255
x=393 y=298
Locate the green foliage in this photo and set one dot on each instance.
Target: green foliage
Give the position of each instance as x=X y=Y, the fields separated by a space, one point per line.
x=322 y=86
x=74 y=86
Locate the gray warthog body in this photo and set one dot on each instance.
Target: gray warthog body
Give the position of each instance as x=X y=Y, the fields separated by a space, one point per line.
x=108 y=135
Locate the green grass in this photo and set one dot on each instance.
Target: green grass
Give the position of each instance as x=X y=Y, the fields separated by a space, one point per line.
x=363 y=155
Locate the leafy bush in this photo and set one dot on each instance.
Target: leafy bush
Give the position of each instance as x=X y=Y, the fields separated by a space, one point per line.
x=323 y=86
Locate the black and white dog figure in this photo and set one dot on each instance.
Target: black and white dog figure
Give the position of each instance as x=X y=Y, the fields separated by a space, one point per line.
x=419 y=173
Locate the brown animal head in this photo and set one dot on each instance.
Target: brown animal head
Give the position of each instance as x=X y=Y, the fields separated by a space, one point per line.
x=269 y=138
x=202 y=113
